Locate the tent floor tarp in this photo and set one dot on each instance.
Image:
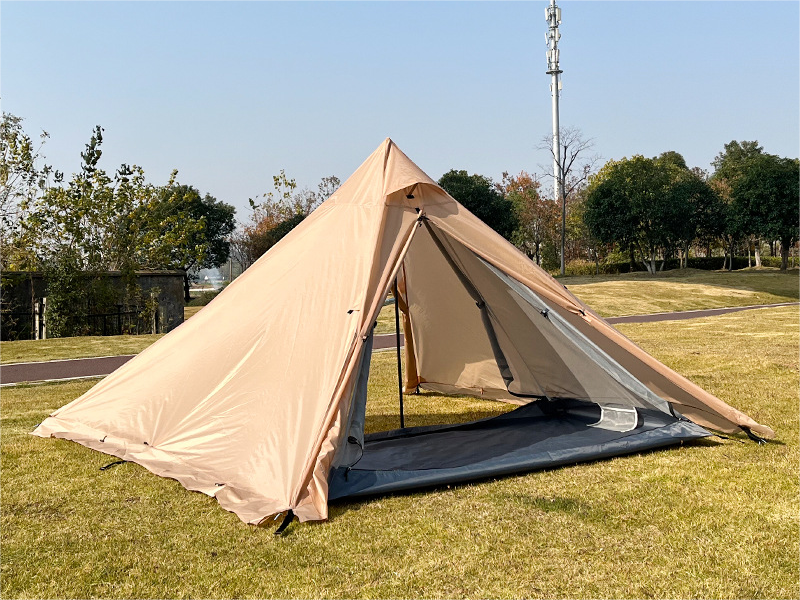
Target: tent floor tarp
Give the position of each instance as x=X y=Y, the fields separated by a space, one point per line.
x=536 y=436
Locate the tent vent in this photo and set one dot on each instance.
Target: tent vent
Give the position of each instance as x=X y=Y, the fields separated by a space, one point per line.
x=614 y=418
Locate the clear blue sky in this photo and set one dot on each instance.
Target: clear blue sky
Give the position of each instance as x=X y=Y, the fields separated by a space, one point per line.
x=230 y=93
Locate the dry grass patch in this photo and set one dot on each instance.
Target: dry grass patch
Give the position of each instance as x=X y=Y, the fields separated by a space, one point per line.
x=713 y=519
x=686 y=289
x=190 y=311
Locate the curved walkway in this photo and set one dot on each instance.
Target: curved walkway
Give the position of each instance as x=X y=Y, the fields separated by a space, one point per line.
x=79 y=368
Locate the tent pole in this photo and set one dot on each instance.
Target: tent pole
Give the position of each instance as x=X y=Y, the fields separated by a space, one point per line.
x=399 y=365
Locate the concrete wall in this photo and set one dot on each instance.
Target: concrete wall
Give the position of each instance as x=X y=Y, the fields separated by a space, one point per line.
x=21 y=291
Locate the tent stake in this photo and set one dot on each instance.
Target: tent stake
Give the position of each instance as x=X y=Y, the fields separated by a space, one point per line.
x=399 y=366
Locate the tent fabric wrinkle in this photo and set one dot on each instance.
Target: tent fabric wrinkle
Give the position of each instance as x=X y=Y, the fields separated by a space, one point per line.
x=260 y=399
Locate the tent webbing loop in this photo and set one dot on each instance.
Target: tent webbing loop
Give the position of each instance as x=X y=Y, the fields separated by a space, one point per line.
x=757 y=439
x=399 y=364
x=286 y=521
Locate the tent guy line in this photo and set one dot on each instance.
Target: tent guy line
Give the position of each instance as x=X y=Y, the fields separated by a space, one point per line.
x=100 y=366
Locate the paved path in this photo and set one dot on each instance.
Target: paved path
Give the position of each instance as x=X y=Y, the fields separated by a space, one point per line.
x=61 y=369
x=97 y=367
x=692 y=314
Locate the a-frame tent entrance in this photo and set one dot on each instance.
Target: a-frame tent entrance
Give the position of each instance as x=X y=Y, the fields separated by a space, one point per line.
x=472 y=329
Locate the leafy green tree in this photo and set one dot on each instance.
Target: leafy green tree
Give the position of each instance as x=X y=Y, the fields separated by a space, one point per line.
x=633 y=203
x=88 y=219
x=670 y=157
x=22 y=179
x=98 y=222
x=729 y=166
x=731 y=163
x=78 y=232
x=580 y=241
x=765 y=194
x=479 y=195
x=184 y=230
x=690 y=193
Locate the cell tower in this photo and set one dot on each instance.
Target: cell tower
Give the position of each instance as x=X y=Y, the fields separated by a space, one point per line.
x=553 y=17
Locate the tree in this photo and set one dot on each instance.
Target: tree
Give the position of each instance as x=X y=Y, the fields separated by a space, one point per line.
x=87 y=220
x=670 y=157
x=580 y=241
x=168 y=243
x=575 y=167
x=283 y=209
x=76 y=233
x=765 y=193
x=690 y=193
x=536 y=217
x=22 y=180
x=479 y=195
x=732 y=162
x=98 y=223
x=729 y=166
x=634 y=203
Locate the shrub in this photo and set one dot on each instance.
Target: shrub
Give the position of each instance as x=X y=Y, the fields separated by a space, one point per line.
x=771 y=261
x=204 y=298
x=585 y=267
x=712 y=263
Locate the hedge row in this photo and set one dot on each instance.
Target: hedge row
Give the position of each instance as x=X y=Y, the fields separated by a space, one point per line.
x=713 y=263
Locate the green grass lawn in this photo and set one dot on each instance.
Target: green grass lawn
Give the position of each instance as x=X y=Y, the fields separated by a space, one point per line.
x=386 y=322
x=80 y=347
x=713 y=519
x=74 y=347
x=683 y=289
x=190 y=311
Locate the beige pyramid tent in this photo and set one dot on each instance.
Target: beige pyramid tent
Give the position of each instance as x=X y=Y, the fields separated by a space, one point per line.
x=259 y=399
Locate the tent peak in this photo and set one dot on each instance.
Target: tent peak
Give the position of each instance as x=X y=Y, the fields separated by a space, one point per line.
x=386 y=171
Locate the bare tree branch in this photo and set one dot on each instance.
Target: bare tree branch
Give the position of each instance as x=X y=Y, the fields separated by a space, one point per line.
x=575 y=160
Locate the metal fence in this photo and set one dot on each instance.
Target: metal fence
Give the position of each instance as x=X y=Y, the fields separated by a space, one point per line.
x=121 y=322
x=125 y=320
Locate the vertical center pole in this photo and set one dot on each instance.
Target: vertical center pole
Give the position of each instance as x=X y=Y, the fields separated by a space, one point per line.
x=399 y=365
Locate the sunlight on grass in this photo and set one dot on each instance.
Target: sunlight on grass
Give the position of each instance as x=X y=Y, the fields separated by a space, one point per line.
x=74 y=347
x=190 y=311
x=426 y=408
x=713 y=519
x=386 y=323
x=682 y=289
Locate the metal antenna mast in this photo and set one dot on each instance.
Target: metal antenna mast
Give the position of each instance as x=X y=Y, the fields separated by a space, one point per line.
x=553 y=16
